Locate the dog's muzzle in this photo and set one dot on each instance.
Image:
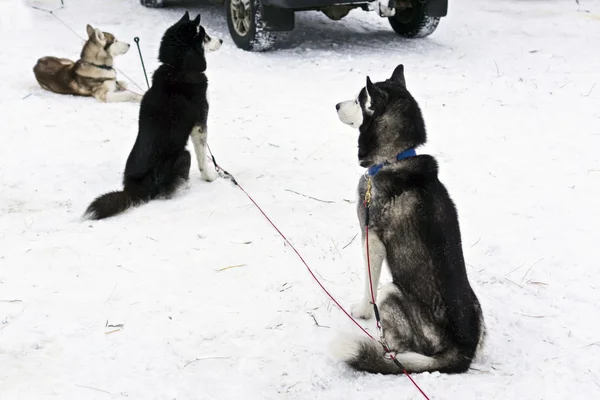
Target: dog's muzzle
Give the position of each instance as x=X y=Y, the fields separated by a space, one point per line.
x=350 y=113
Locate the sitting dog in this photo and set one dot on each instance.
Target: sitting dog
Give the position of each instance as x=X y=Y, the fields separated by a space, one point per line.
x=92 y=75
x=175 y=107
x=431 y=318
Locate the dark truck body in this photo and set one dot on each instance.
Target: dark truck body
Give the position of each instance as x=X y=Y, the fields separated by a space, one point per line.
x=436 y=8
x=253 y=24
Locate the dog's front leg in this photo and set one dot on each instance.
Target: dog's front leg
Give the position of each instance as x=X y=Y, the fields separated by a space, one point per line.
x=122 y=85
x=199 y=139
x=364 y=309
x=121 y=96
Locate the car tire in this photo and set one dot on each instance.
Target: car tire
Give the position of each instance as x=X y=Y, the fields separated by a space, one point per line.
x=153 y=3
x=414 y=22
x=246 y=26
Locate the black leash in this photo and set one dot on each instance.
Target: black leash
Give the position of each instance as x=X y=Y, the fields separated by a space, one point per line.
x=137 y=42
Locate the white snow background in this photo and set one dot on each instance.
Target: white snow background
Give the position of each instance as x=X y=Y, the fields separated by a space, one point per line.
x=510 y=91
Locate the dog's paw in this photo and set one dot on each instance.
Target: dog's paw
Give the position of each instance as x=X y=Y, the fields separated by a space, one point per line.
x=122 y=85
x=136 y=97
x=362 y=310
x=209 y=174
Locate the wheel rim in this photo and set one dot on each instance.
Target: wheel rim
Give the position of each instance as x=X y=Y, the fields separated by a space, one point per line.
x=240 y=16
x=406 y=16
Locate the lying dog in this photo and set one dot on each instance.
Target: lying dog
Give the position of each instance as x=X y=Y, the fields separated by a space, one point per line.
x=92 y=75
x=430 y=316
x=175 y=107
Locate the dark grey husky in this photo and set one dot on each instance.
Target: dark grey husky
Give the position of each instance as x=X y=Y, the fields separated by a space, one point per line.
x=431 y=318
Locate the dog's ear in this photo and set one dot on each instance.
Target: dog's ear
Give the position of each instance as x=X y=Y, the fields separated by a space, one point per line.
x=98 y=37
x=90 y=31
x=373 y=91
x=398 y=75
x=185 y=18
x=197 y=20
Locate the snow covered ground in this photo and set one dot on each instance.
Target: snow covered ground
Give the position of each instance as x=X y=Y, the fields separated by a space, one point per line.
x=510 y=91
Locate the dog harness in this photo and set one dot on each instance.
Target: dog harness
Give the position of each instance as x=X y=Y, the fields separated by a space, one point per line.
x=377 y=167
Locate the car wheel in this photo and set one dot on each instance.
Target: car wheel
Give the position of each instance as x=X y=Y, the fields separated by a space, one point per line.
x=414 y=22
x=153 y=3
x=246 y=27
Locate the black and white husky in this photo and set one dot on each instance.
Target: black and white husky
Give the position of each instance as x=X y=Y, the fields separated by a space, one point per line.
x=173 y=109
x=430 y=316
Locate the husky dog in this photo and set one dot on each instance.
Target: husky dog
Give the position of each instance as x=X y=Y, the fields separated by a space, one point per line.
x=430 y=316
x=175 y=107
x=92 y=75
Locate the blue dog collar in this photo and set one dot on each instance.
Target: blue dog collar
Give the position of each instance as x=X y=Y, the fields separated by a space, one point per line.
x=377 y=167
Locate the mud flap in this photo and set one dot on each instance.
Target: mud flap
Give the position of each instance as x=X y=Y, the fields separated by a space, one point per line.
x=277 y=19
x=437 y=8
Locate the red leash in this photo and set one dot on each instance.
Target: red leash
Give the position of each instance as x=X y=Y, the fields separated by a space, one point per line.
x=227 y=175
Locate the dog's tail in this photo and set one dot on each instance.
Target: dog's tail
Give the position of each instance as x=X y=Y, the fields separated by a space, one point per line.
x=364 y=354
x=111 y=204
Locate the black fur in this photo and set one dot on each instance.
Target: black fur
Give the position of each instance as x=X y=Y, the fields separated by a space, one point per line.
x=382 y=136
x=176 y=103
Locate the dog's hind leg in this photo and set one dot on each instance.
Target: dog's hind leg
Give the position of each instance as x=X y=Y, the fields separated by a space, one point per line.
x=183 y=164
x=364 y=309
x=199 y=138
x=175 y=175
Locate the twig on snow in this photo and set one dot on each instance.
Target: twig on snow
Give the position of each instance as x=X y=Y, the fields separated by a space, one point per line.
x=113 y=292
x=497 y=69
x=317 y=323
x=536 y=316
x=514 y=283
x=530 y=282
x=285 y=287
x=128 y=270
x=519 y=267
x=565 y=84
x=579 y=7
x=310 y=197
x=93 y=388
x=532 y=265
x=321 y=276
x=590 y=92
x=231 y=266
x=114 y=326
x=11 y=301
x=204 y=358
x=474 y=244
x=350 y=242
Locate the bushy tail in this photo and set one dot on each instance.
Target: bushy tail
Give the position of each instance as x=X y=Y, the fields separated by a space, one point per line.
x=367 y=355
x=110 y=204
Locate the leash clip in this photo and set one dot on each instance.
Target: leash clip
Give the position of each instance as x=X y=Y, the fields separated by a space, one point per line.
x=368 y=192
